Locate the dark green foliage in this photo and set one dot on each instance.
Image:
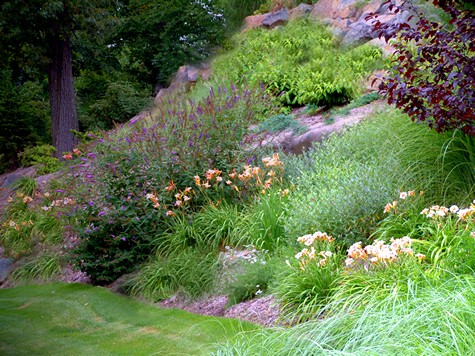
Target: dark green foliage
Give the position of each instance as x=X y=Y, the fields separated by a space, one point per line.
x=119 y=102
x=24 y=111
x=163 y=35
x=235 y=11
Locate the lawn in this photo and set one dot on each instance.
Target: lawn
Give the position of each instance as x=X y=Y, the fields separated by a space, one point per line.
x=76 y=319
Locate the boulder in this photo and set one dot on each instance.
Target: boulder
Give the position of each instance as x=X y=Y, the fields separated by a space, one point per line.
x=7 y=180
x=255 y=21
x=300 y=11
x=277 y=18
x=184 y=79
x=388 y=50
x=359 y=32
x=335 y=9
x=6 y=265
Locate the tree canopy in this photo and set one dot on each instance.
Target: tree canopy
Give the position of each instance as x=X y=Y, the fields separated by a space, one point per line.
x=163 y=35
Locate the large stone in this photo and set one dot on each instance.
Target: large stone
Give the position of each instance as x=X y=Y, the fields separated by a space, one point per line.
x=335 y=9
x=255 y=21
x=5 y=268
x=277 y=18
x=388 y=50
x=362 y=30
x=7 y=180
x=184 y=79
x=302 y=10
x=359 y=32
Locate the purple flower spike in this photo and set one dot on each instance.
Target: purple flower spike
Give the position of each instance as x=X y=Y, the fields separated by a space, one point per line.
x=101 y=213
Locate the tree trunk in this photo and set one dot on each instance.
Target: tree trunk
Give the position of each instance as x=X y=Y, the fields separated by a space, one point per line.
x=62 y=96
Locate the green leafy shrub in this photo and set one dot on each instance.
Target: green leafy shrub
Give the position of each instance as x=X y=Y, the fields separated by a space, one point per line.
x=235 y=11
x=40 y=155
x=302 y=63
x=120 y=103
x=190 y=272
x=25 y=118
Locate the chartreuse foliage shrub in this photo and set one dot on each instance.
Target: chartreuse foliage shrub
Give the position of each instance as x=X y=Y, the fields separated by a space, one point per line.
x=302 y=63
x=138 y=178
x=42 y=157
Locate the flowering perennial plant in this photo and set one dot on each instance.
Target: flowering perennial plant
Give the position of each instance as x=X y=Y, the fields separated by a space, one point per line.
x=29 y=220
x=379 y=252
x=320 y=255
x=250 y=180
x=437 y=211
x=393 y=207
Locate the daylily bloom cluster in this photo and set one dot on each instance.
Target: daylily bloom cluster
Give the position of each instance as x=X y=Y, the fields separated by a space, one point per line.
x=59 y=202
x=16 y=226
x=437 y=211
x=68 y=156
x=251 y=176
x=380 y=252
x=402 y=196
x=25 y=198
x=181 y=198
x=317 y=236
x=306 y=255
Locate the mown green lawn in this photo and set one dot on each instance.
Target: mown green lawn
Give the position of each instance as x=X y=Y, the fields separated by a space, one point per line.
x=76 y=319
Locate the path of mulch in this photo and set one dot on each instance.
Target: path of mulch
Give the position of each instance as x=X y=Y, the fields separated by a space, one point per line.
x=263 y=311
